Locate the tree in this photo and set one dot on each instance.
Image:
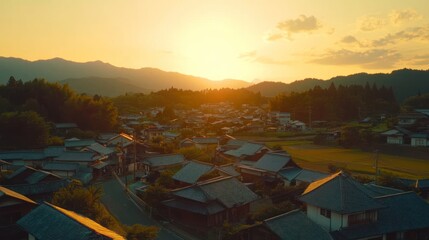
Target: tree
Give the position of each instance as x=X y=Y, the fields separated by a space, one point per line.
x=155 y=194
x=23 y=130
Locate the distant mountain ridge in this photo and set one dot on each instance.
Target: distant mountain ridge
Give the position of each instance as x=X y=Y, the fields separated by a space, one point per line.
x=93 y=73
x=405 y=83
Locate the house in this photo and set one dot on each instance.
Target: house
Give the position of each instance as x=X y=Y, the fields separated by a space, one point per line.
x=33 y=158
x=266 y=167
x=153 y=132
x=205 y=142
x=187 y=142
x=32 y=182
x=398 y=135
x=162 y=162
x=64 y=128
x=296 y=176
x=283 y=117
x=65 y=170
x=77 y=144
x=420 y=139
x=209 y=203
x=12 y=207
x=192 y=172
x=247 y=150
x=293 y=225
x=351 y=210
x=48 y=221
x=416 y=118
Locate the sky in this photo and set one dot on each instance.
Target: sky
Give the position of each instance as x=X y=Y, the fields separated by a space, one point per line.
x=251 y=40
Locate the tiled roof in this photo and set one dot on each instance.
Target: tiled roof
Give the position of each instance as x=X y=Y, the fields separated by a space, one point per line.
x=51 y=222
x=65 y=125
x=200 y=140
x=164 y=159
x=76 y=156
x=295 y=225
x=374 y=190
x=272 y=162
x=39 y=188
x=98 y=148
x=310 y=176
x=71 y=143
x=403 y=212
x=192 y=171
x=51 y=166
x=247 y=149
x=228 y=191
x=339 y=193
x=204 y=209
x=22 y=155
x=229 y=169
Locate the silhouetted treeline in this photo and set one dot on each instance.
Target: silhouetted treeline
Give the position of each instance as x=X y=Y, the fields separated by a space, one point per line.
x=134 y=103
x=337 y=104
x=57 y=103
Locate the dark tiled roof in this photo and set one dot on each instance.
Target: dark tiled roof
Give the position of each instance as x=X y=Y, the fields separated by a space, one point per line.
x=247 y=149
x=403 y=212
x=71 y=143
x=61 y=166
x=205 y=140
x=65 y=125
x=39 y=188
x=374 y=190
x=229 y=169
x=5 y=192
x=228 y=191
x=339 y=193
x=22 y=155
x=52 y=222
x=76 y=156
x=192 y=171
x=295 y=225
x=310 y=176
x=272 y=162
x=204 y=209
x=164 y=160
x=290 y=173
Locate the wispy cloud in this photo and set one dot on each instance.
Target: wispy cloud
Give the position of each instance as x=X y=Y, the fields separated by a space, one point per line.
x=371 y=23
x=420 y=33
x=421 y=60
x=374 y=58
x=253 y=56
x=400 y=16
x=292 y=26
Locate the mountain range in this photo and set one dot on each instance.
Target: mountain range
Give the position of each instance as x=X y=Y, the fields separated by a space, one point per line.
x=105 y=79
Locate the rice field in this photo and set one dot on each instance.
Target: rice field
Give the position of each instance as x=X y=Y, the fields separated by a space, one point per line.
x=318 y=158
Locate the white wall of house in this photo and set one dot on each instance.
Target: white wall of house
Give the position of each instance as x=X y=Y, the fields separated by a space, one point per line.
x=395 y=140
x=330 y=224
x=283 y=117
x=419 y=142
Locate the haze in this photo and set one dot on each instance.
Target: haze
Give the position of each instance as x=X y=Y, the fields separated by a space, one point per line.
x=248 y=40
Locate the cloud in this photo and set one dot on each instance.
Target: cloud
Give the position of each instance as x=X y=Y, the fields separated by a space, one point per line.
x=349 y=39
x=419 y=33
x=371 y=23
x=400 y=16
x=252 y=56
x=421 y=60
x=292 y=26
x=374 y=58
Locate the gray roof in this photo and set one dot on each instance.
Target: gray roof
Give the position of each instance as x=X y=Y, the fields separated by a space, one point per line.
x=22 y=155
x=228 y=191
x=61 y=166
x=53 y=151
x=192 y=171
x=51 y=222
x=272 y=162
x=247 y=149
x=98 y=148
x=71 y=143
x=39 y=188
x=236 y=142
x=164 y=160
x=229 y=169
x=76 y=156
x=339 y=193
x=374 y=190
x=201 y=140
x=309 y=176
x=403 y=212
x=295 y=225
x=204 y=209
x=290 y=173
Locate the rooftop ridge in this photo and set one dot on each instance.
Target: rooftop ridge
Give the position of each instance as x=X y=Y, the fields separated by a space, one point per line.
x=394 y=194
x=282 y=214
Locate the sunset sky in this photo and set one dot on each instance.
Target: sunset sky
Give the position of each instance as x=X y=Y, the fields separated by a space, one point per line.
x=277 y=40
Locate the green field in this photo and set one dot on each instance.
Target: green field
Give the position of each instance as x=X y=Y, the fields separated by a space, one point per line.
x=318 y=157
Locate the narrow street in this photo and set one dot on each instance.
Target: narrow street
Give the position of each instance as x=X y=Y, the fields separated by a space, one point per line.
x=120 y=205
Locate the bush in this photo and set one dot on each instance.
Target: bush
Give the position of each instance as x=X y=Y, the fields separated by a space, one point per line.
x=140 y=232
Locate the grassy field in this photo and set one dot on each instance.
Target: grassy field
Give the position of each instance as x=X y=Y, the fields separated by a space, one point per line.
x=318 y=157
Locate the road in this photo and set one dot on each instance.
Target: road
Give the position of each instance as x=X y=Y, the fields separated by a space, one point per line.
x=120 y=205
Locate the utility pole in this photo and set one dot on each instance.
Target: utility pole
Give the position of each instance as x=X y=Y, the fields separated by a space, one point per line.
x=309 y=116
x=135 y=154
x=376 y=158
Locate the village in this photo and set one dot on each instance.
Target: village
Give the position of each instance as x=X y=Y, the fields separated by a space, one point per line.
x=194 y=178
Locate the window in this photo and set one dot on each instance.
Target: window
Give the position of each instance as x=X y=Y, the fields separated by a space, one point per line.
x=362 y=218
x=325 y=212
